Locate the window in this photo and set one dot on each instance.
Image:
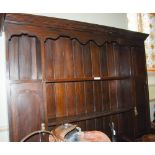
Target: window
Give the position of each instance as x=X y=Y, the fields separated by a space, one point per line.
x=145 y=22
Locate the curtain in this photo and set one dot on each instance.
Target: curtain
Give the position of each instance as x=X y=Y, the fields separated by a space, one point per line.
x=145 y=22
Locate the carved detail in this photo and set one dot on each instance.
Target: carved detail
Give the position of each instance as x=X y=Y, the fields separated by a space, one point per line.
x=21 y=34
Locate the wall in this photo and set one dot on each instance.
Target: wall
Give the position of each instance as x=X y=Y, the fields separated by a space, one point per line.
x=118 y=20
x=114 y=20
x=3 y=104
x=151 y=82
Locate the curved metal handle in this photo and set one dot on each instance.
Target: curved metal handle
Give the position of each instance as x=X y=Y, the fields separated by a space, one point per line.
x=35 y=133
x=42 y=131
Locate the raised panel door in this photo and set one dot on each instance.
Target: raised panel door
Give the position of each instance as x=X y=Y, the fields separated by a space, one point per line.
x=26 y=109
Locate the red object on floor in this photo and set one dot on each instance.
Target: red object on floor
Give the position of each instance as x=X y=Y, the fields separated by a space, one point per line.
x=94 y=136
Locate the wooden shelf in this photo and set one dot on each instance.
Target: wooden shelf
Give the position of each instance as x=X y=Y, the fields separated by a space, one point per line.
x=81 y=117
x=70 y=79
x=88 y=79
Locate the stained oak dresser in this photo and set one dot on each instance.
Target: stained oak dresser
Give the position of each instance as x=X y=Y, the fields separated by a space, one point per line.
x=61 y=71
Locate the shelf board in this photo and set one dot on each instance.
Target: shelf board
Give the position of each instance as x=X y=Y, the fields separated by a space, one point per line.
x=70 y=79
x=81 y=117
x=87 y=79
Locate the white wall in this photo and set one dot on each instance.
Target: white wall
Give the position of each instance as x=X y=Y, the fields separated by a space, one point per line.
x=118 y=20
x=115 y=20
x=3 y=104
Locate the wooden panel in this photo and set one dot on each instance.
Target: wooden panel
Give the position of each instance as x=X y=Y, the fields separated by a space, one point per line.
x=115 y=54
x=124 y=59
x=103 y=60
x=60 y=99
x=124 y=94
x=141 y=118
x=97 y=96
x=121 y=58
x=90 y=104
x=111 y=62
x=65 y=98
x=95 y=54
x=128 y=124
x=119 y=91
x=87 y=61
x=74 y=98
x=50 y=99
x=105 y=106
x=113 y=104
x=24 y=58
x=113 y=94
x=37 y=43
x=80 y=98
x=70 y=98
x=26 y=113
x=78 y=58
x=99 y=124
x=13 y=59
x=90 y=125
x=59 y=59
x=89 y=96
x=106 y=128
x=139 y=61
x=68 y=58
x=49 y=63
x=120 y=130
x=33 y=49
x=105 y=96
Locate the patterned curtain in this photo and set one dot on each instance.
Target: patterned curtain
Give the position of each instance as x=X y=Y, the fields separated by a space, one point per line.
x=145 y=22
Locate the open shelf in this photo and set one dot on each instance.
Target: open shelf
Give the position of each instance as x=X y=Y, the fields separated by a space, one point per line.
x=88 y=79
x=81 y=117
